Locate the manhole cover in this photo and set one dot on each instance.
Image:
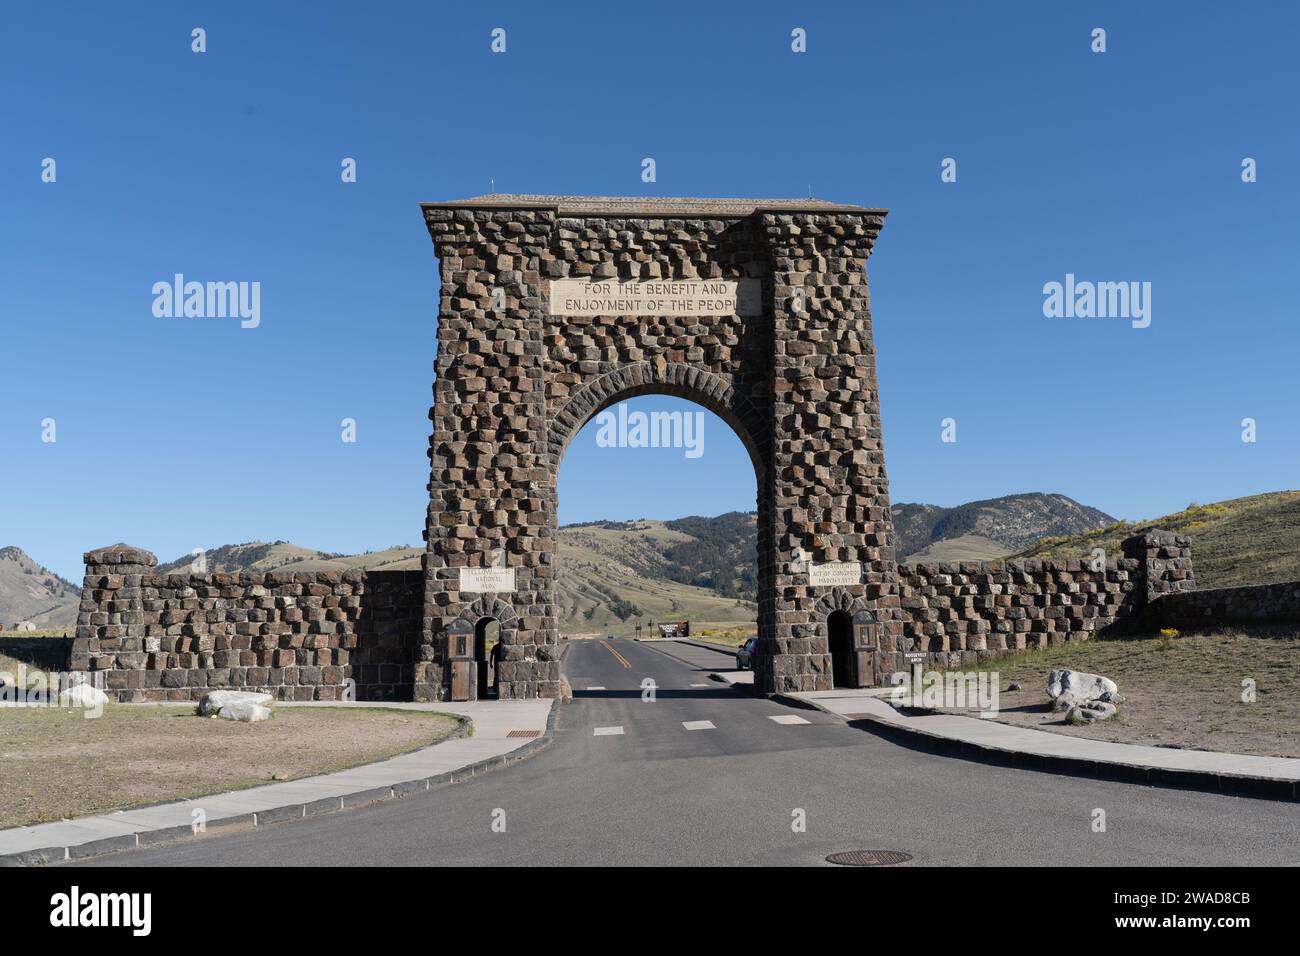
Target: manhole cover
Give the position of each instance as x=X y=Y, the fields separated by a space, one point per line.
x=869 y=857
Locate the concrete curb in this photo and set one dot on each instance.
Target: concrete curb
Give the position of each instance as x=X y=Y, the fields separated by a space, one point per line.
x=295 y=811
x=1206 y=781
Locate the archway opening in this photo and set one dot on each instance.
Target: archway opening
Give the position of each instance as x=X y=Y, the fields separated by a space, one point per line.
x=487 y=656
x=839 y=632
x=659 y=520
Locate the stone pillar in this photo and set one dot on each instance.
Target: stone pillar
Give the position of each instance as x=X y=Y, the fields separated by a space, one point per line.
x=491 y=493
x=1166 y=567
x=830 y=493
x=110 y=620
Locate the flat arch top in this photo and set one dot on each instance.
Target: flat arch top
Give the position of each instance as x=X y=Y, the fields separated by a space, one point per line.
x=650 y=206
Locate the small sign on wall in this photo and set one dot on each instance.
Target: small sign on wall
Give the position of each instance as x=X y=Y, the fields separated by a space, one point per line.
x=831 y=574
x=491 y=580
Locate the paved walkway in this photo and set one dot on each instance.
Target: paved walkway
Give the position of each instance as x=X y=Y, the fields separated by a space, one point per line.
x=490 y=746
x=1277 y=775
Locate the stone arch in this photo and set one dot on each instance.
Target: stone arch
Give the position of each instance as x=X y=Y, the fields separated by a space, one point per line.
x=837 y=599
x=790 y=368
x=489 y=605
x=690 y=382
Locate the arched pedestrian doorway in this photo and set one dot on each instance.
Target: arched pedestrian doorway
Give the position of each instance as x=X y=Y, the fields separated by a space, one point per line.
x=487 y=656
x=839 y=630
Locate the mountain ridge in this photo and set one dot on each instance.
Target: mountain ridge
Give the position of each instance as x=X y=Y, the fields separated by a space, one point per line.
x=618 y=574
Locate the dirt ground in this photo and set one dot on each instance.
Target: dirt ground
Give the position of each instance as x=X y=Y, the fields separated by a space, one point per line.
x=56 y=763
x=1183 y=691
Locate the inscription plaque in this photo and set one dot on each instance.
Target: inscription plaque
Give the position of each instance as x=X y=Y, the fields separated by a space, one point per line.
x=669 y=297
x=835 y=574
x=487 y=579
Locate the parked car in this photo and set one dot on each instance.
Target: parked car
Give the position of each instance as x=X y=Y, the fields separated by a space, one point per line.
x=745 y=654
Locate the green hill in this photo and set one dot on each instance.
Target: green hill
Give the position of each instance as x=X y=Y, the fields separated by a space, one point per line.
x=1254 y=540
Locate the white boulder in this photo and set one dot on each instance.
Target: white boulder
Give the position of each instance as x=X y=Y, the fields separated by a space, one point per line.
x=214 y=701
x=246 y=711
x=1078 y=684
x=83 y=695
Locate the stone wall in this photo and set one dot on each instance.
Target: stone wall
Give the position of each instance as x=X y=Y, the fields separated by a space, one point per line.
x=301 y=635
x=961 y=612
x=1254 y=604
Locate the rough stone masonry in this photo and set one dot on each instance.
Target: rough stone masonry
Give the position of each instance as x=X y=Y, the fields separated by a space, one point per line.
x=795 y=378
x=788 y=361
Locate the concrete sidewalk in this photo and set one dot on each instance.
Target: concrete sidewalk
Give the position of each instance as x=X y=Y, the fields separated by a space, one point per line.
x=1276 y=778
x=491 y=746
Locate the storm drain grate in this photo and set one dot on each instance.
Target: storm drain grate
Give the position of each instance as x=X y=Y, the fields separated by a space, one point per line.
x=524 y=733
x=869 y=857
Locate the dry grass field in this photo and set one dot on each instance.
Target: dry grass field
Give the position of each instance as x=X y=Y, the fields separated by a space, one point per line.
x=57 y=763
x=1183 y=691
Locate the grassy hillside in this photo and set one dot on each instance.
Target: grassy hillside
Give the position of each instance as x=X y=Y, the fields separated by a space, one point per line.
x=283 y=556
x=965 y=547
x=1253 y=540
x=29 y=592
x=614 y=575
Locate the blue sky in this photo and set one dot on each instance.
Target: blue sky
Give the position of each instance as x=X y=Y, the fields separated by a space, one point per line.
x=174 y=434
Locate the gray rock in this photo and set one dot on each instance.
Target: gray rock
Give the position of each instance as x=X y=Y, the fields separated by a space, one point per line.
x=245 y=711
x=1080 y=684
x=1090 y=712
x=213 y=702
x=1067 y=702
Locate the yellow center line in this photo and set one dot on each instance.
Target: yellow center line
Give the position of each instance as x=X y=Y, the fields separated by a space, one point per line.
x=621 y=659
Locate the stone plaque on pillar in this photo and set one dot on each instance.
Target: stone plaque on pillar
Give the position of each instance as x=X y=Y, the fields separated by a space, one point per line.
x=490 y=580
x=665 y=297
x=835 y=574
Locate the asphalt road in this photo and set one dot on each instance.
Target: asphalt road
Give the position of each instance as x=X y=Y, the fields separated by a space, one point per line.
x=660 y=793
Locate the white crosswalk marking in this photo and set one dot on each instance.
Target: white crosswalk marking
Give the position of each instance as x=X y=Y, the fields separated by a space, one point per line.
x=786 y=719
x=607 y=731
x=698 y=725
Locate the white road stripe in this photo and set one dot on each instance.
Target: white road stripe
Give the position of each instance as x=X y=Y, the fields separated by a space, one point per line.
x=701 y=685
x=595 y=688
x=786 y=719
x=698 y=725
x=607 y=731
